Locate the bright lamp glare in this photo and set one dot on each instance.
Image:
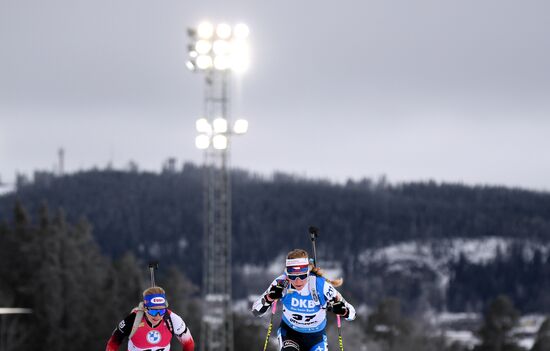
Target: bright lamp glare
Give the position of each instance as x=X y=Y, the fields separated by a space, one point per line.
x=203 y=47
x=203 y=126
x=205 y=30
x=222 y=62
x=240 y=126
x=193 y=54
x=204 y=62
x=240 y=47
x=219 y=142
x=223 y=31
x=241 y=31
x=240 y=64
x=202 y=141
x=190 y=65
x=220 y=125
x=240 y=56
x=221 y=47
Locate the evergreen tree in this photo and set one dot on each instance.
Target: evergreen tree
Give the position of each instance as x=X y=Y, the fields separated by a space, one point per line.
x=499 y=319
x=127 y=284
x=542 y=343
x=183 y=297
x=46 y=284
x=56 y=270
x=387 y=323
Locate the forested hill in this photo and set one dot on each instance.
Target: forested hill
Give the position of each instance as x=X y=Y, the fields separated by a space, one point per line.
x=160 y=214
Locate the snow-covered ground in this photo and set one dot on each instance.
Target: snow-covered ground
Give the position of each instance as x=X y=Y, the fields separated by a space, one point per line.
x=526 y=331
x=462 y=327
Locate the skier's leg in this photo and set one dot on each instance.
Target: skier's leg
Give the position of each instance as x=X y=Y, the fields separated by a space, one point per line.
x=285 y=342
x=321 y=345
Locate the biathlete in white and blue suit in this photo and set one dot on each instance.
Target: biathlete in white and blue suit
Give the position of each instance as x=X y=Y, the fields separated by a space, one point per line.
x=305 y=295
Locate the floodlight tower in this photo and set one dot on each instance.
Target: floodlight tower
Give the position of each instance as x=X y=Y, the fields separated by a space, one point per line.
x=216 y=51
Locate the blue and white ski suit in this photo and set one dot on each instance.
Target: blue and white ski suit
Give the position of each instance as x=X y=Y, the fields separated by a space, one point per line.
x=304 y=313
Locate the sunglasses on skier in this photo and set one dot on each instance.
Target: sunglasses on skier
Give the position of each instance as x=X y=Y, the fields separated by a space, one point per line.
x=155 y=313
x=301 y=276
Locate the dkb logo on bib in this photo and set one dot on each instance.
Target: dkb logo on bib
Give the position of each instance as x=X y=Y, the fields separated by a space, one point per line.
x=302 y=303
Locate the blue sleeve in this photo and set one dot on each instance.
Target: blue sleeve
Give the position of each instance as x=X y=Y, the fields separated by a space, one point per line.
x=320 y=285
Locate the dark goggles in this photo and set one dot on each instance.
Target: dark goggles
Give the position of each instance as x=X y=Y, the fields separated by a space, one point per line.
x=301 y=276
x=155 y=313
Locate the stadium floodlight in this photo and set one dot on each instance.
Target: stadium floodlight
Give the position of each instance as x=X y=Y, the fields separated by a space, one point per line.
x=203 y=126
x=205 y=30
x=219 y=47
x=223 y=31
x=222 y=62
x=204 y=62
x=203 y=47
x=220 y=125
x=241 y=31
x=216 y=134
x=240 y=126
x=219 y=142
x=202 y=141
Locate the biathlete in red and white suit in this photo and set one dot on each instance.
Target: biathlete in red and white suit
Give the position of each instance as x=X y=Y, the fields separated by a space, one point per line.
x=156 y=327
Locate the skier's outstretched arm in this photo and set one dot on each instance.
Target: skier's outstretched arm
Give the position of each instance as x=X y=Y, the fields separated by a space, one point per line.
x=182 y=333
x=122 y=330
x=273 y=292
x=113 y=344
x=339 y=305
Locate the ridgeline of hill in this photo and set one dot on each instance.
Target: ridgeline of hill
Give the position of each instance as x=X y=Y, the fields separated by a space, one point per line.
x=160 y=214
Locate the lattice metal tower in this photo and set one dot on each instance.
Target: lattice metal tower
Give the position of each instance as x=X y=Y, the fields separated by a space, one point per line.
x=217 y=326
x=208 y=55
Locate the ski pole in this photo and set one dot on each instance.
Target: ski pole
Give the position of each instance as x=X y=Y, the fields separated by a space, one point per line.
x=340 y=341
x=273 y=309
x=152 y=266
x=314 y=233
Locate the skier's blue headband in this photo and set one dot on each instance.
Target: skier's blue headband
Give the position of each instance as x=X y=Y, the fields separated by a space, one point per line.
x=155 y=300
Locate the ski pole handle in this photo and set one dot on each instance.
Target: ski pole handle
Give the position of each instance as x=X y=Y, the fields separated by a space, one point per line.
x=313 y=232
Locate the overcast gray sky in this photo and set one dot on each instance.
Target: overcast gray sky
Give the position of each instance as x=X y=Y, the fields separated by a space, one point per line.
x=454 y=91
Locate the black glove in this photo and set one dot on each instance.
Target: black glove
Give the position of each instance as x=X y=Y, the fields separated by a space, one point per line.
x=339 y=308
x=275 y=292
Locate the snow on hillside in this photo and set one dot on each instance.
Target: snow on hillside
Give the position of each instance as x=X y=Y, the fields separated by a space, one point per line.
x=6 y=189
x=441 y=252
x=437 y=255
